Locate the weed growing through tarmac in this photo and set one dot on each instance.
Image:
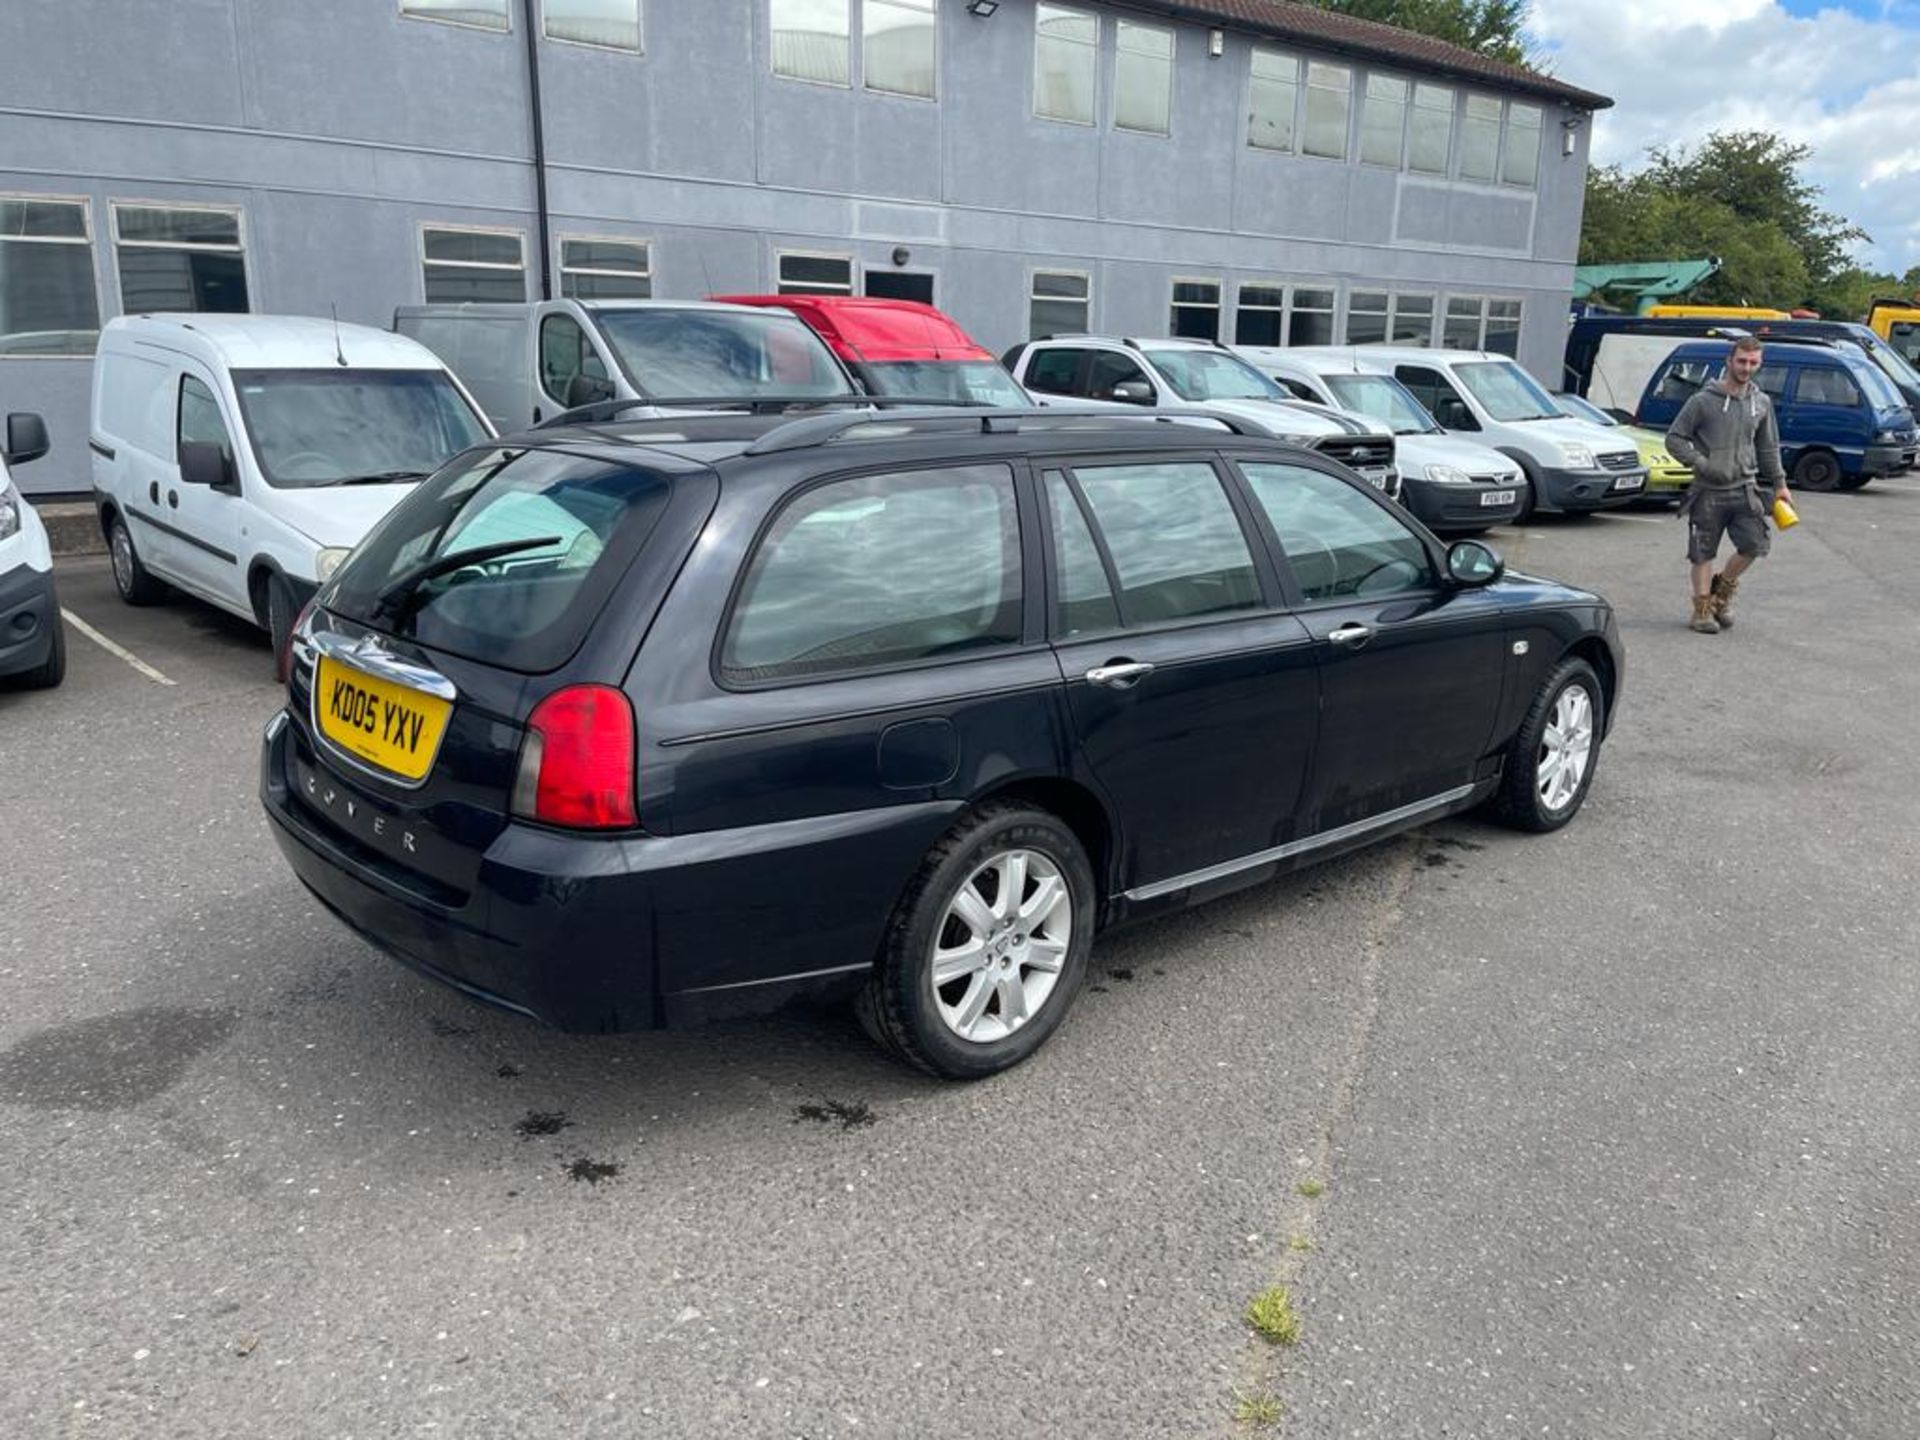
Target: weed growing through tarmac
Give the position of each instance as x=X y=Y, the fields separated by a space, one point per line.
x=542 y=1122
x=1261 y=1412
x=852 y=1115
x=591 y=1171
x=1312 y=1189
x=1270 y=1313
x=1299 y=1242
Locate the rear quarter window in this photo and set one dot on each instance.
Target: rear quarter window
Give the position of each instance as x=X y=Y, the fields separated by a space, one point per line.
x=577 y=522
x=136 y=403
x=880 y=570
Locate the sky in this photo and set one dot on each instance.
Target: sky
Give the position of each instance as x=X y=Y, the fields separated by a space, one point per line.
x=1841 y=76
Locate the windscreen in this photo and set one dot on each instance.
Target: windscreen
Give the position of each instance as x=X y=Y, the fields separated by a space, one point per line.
x=963 y=382
x=1213 y=375
x=1383 y=398
x=549 y=535
x=1506 y=391
x=719 y=354
x=313 y=428
x=1575 y=407
x=1880 y=391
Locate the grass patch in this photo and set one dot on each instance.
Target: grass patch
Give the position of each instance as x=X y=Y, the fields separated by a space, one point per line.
x=1271 y=1315
x=1312 y=1189
x=1299 y=1242
x=1260 y=1411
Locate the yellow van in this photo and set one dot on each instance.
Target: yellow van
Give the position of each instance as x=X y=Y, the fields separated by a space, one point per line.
x=1898 y=323
x=1719 y=312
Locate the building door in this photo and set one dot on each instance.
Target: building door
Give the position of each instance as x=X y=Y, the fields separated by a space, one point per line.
x=900 y=285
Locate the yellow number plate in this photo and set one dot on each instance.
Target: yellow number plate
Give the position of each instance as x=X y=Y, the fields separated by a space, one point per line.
x=391 y=726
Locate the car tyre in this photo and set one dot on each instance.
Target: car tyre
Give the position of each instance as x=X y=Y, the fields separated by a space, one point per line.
x=987 y=949
x=51 y=671
x=132 y=579
x=1551 y=761
x=1817 y=470
x=279 y=616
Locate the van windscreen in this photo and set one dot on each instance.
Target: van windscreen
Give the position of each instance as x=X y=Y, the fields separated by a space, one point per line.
x=313 y=428
x=1507 y=391
x=717 y=354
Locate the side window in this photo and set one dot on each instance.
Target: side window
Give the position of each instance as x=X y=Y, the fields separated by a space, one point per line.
x=1109 y=370
x=1821 y=385
x=1300 y=390
x=880 y=570
x=1432 y=390
x=1176 y=544
x=1681 y=379
x=565 y=352
x=1338 y=542
x=1054 y=372
x=1085 y=603
x=1773 y=380
x=200 y=418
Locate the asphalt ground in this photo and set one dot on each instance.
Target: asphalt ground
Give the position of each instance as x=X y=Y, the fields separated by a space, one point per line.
x=1614 y=1131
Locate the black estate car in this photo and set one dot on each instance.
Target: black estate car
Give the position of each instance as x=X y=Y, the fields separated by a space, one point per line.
x=629 y=724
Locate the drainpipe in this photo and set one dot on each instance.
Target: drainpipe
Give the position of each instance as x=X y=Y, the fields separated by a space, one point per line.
x=539 y=150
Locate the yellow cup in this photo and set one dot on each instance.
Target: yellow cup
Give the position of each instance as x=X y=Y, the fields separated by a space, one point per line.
x=1784 y=515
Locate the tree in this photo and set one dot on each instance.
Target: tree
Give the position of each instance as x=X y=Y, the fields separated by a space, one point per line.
x=1489 y=27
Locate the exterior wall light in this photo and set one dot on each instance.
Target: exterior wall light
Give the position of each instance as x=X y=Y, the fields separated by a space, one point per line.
x=982 y=8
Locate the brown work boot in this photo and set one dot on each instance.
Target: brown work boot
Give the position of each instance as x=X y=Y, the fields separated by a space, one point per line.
x=1722 y=597
x=1703 y=620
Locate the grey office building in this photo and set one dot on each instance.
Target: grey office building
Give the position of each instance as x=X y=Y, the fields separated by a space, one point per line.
x=1252 y=169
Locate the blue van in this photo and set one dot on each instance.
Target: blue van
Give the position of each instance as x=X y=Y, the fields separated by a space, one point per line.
x=1841 y=420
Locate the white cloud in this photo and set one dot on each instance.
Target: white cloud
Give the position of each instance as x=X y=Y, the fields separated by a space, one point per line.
x=1847 y=85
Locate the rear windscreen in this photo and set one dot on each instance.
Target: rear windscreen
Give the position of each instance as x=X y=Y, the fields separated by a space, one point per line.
x=505 y=557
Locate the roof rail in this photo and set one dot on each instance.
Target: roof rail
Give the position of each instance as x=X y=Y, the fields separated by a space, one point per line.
x=814 y=430
x=603 y=410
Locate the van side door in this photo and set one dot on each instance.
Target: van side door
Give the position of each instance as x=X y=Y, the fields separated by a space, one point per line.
x=1442 y=400
x=573 y=372
x=206 y=520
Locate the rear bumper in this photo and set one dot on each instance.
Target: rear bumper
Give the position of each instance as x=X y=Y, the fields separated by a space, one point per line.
x=594 y=933
x=29 y=619
x=1561 y=489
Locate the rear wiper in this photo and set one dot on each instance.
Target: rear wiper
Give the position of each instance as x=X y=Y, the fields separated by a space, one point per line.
x=382 y=477
x=408 y=580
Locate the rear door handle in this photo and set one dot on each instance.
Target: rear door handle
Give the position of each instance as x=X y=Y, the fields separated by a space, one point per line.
x=1121 y=674
x=1351 y=635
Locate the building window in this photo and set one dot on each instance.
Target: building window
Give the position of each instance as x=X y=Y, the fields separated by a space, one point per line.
x=1383 y=120
x=898 y=41
x=49 y=304
x=802 y=274
x=180 y=258
x=1432 y=137
x=1329 y=103
x=1060 y=303
x=483 y=14
x=1522 y=159
x=1476 y=323
x=1367 y=317
x=1143 y=78
x=482 y=265
x=595 y=269
x=1480 y=139
x=1196 y=310
x=1377 y=316
x=1272 y=100
x=1271 y=314
x=610 y=24
x=1412 y=320
x=811 y=40
x=1066 y=47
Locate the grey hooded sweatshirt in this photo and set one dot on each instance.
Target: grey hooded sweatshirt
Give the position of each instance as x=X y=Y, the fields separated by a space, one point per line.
x=1727 y=440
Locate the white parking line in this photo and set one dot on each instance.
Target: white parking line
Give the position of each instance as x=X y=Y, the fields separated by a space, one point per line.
x=1641 y=519
x=112 y=649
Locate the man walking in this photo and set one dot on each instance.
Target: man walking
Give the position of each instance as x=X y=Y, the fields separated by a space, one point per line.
x=1727 y=436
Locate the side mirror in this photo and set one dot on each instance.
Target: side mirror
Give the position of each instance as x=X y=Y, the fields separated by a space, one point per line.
x=26 y=437
x=587 y=390
x=1132 y=392
x=204 y=463
x=1473 y=563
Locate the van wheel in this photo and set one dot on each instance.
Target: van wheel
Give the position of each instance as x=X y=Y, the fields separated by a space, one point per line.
x=1530 y=494
x=51 y=671
x=1854 y=481
x=1550 y=764
x=1817 y=470
x=130 y=577
x=987 y=948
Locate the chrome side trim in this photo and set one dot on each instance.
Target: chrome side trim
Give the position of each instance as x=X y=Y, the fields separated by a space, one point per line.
x=1295 y=847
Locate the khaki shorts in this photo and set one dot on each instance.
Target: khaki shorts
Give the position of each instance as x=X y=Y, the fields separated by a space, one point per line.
x=1738 y=514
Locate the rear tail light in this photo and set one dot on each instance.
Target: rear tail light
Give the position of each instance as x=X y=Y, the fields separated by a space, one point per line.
x=576 y=764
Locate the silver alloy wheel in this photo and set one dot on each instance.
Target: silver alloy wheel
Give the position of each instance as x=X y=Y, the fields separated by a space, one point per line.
x=998 y=953
x=1566 y=747
x=122 y=548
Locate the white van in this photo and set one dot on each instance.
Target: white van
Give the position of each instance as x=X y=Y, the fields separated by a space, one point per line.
x=33 y=647
x=240 y=457
x=1451 y=484
x=530 y=362
x=1486 y=397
